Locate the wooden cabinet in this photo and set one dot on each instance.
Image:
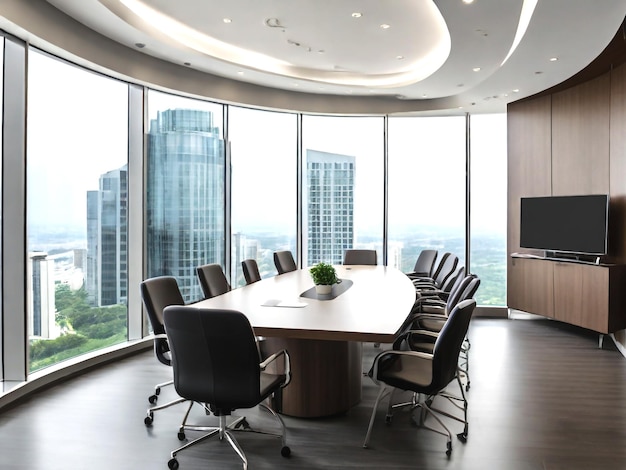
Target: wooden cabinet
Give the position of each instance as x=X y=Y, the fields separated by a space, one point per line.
x=585 y=295
x=530 y=286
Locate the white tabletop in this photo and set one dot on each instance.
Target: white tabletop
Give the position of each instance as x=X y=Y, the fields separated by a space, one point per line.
x=372 y=309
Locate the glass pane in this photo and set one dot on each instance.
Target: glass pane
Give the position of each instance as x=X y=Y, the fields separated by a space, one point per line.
x=184 y=189
x=264 y=190
x=343 y=186
x=426 y=188
x=77 y=193
x=489 y=207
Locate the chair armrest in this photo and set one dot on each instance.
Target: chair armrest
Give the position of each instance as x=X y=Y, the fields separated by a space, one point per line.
x=385 y=354
x=283 y=352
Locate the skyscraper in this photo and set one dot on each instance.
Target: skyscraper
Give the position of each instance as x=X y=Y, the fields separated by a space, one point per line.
x=185 y=196
x=330 y=206
x=107 y=279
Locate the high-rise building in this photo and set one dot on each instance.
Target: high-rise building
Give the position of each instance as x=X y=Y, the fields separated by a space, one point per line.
x=330 y=206
x=107 y=253
x=185 y=196
x=41 y=306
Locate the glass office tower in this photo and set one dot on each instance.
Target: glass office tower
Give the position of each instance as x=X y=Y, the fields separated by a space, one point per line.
x=330 y=214
x=185 y=196
x=107 y=272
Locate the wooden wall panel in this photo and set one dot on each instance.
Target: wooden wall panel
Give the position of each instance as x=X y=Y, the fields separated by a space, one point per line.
x=529 y=166
x=617 y=218
x=580 y=138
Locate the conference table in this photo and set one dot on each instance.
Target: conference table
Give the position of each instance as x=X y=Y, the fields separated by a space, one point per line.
x=323 y=333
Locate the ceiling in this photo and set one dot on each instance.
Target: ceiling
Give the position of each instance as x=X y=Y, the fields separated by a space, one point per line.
x=446 y=53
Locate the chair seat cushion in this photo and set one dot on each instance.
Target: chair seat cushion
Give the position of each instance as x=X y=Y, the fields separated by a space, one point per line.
x=407 y=373
x=270 y=383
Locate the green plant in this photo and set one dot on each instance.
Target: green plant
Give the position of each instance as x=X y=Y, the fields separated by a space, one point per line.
x=324 y=274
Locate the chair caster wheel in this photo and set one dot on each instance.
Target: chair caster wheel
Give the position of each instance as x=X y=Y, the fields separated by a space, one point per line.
x=388 y=419
x=285 y=451
x=172 y=464
x=449 y=449
x=148 y=420
x=157 y=391
x=152 y=399
x=462 y=437
x=181 y=436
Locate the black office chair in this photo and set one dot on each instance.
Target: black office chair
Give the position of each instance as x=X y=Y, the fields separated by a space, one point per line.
x=212 y=280
x=158 y=293
x=360 y=257
x=426 y=375
x=250 y=270
x=216 y=364
x=425 y=264
x=284 y=262
x=443 y=271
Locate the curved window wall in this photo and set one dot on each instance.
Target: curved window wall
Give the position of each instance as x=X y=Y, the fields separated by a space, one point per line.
x=77 y=140
x=223 y=183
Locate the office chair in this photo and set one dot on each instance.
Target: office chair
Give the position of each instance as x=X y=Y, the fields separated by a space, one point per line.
x=158 y=293
x=425 y=264
x=431 y=291
x=216 y=364
x=250 y=270
x=212 y=280
x=426 y=375
x=283 y=260
x=443 y=271
x=360 y=257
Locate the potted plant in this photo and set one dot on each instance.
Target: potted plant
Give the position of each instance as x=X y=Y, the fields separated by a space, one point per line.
x=324 y=276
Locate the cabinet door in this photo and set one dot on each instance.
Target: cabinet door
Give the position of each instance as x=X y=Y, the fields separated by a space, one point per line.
x=530 y=286
x=568 y=293
x=595 y=301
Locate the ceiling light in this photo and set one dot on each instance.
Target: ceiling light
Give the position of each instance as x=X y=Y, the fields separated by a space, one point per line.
x=476 y=69
x=399 y=57
x=553 y=59
x=227 y=20
x=516 y=90
x=468 y=2
x=385 y=26
x=240 y=73
x=356 y=14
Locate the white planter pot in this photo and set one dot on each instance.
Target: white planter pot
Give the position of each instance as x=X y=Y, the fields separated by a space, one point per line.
x=323 y=289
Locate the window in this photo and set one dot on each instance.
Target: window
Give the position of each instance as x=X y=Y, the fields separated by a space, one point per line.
x=264 y=187
x=426 y=188
x=343 y=186
x=76 y=210
x=185 y=196
x=489 y=207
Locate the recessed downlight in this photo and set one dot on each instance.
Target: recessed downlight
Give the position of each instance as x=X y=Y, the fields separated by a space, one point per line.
x=553 y=59
x=227 y=20
x=357 y=14
x=476 y=69
x=385 y=26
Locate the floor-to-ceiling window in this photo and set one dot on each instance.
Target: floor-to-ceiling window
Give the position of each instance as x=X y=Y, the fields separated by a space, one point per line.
x=427 y=184
x=488 y=206
x=263 y=159
x=77 y=143
x=343 y=173
x=185 y=191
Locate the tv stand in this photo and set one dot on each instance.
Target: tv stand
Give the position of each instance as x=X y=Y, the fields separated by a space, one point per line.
x=579 y=292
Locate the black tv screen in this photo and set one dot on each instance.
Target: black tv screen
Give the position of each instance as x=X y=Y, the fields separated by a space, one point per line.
x=569 y=224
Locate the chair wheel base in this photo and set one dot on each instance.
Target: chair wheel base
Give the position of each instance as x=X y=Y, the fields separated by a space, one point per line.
x=172 y=464
x=285 y=451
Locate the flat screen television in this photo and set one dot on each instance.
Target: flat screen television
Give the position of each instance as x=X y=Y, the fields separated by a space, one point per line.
x=565 y=224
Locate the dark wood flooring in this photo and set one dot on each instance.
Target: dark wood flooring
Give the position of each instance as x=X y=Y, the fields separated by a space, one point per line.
x=543 y=397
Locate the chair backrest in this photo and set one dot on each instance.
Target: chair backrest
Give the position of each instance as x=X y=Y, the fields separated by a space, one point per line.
x=446 y=269
x=453 y=279
x=364 y=257
x=212 y=280
x=458 y=293
x=425 y=263
x=158 y=293
x=448 y=344
x=283 y=260
x=470 y=290
x=214 y=356
x=250 y=270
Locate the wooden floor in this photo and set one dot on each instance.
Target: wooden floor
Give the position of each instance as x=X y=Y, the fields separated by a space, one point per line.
x=543 y=396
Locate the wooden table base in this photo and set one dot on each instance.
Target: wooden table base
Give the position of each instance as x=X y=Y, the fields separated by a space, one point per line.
x=325 y=376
